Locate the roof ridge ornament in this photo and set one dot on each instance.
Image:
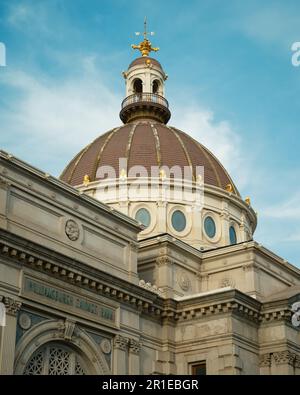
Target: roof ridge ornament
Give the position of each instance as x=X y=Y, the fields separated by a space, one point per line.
x=145 y=46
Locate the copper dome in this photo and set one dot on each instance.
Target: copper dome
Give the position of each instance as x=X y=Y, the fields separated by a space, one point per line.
x=144 y=60
x=147 y=144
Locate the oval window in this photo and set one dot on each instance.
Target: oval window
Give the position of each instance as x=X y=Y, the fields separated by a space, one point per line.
x=210 y=227
x=232 y=235
x=178 y=221
x=143 y=216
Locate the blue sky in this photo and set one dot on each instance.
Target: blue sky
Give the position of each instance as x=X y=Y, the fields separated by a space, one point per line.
x=231 y=85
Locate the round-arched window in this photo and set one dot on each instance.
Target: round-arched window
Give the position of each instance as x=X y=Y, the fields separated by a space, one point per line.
x=232 y=235
x=155 y=86
x=138 y=86
x=178 y=221
x=55 y=360
x=210 y=227
x=143 y=216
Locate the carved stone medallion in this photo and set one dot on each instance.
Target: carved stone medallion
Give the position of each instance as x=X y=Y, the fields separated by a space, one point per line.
x=183 y=281
x=72 y=230
x=25 y=321
x=105 y=346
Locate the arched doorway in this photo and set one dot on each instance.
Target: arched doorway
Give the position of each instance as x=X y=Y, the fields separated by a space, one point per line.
x=55 y=359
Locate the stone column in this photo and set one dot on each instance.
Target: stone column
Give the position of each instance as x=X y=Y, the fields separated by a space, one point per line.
x=164 y=275
x=161 y=216
x=8 y=336
x=225 y=223
x=120 y=355
x=134 y=356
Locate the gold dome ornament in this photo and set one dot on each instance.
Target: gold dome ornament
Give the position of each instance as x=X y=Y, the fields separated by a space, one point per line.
x=86 y=180
x=162 y=175
x=248 y=201
x=123 y=175
x=145 y=47
x=199 y=179
x=229 y=188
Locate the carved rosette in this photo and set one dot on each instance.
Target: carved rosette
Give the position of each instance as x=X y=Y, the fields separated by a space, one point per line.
x=134 y=346
x=284 y=357
x=121 y=342
x=265 y=360
x=11 y=306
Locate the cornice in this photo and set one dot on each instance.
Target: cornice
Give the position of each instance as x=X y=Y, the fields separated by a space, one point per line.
x=39 y=258
x=28 y=254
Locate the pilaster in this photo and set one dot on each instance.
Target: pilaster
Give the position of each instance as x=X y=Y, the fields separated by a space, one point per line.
x=120 y=355
x=8 y=335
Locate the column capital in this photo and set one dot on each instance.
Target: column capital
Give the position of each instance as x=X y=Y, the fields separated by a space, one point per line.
x=163 y=260
x=134 y=346
x=284 y=357
x=121 y=342
x=12 y=306
x=265 y=360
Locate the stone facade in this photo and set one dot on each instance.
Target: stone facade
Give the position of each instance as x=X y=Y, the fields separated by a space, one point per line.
x=79 y=288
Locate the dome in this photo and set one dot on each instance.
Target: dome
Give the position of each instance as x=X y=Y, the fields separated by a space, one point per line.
x=146 y=143
x=144 y=61
x=144 y=167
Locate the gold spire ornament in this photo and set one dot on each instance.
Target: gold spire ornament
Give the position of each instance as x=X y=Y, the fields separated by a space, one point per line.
x=248 y=201
x=229 y=188
x=86 y=180
x=145 y=47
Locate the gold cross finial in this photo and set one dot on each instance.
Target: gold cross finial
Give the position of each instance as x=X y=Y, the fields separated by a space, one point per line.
x=145 y=46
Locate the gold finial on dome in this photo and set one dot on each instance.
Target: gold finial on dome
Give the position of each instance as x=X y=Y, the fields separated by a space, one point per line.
x=86 y=180
x=248 y=201
x=229 y=188
x=123 y=174
x=145 y=47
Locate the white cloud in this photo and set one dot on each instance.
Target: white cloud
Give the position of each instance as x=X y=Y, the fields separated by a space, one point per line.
x=219 y=137
x=30 y=17
x=275 y=24
x=288 y=209
x=49 y=120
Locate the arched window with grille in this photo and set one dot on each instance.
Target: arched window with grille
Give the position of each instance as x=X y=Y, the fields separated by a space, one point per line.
x=55 y=359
